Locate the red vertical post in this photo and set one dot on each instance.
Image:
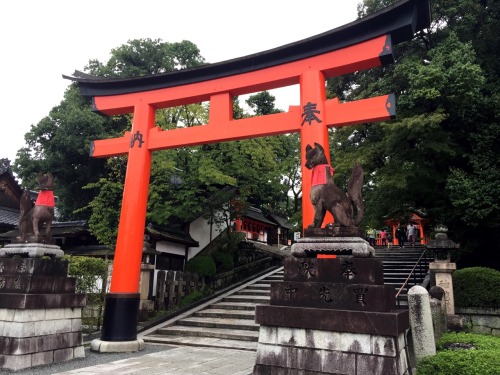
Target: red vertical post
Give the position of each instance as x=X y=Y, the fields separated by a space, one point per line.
x=122 y=303
x=313 y=129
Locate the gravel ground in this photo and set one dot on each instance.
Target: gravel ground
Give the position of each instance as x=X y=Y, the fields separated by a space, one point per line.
x=91 y=359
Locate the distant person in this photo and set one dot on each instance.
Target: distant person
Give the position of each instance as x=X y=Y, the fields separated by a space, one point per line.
x=372 y=233
x=401 y=236
x=389 y=240
x=383 y=237
x=411 y=232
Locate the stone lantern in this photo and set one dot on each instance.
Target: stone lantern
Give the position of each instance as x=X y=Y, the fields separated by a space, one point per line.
x=442 y=267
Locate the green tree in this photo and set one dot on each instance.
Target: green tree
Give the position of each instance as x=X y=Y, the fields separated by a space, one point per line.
x=439 y=155
x=60 y=142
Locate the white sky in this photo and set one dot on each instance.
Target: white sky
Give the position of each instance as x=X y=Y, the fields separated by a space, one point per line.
x=43 y=39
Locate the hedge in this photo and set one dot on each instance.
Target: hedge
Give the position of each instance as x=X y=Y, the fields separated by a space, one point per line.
x=477 y=287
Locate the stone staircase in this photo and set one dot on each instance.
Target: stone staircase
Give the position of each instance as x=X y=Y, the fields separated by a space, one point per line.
x=227 y=321
x=398 y=264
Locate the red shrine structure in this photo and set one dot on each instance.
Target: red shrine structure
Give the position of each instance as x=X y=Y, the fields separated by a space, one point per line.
x=359 y=45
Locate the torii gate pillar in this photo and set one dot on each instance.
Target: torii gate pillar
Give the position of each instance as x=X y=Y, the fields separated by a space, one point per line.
x=312 y=92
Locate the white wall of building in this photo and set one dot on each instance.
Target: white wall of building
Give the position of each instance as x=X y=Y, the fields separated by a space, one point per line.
x=171 y=248
x=203 y=232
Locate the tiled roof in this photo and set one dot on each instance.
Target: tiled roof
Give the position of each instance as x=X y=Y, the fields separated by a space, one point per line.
x=256 y=214
x=58 y=228
x=9 y=216
x=172 y=236
x=283 y=222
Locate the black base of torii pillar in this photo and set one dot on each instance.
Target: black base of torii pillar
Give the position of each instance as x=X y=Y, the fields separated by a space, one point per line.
x=119 y=329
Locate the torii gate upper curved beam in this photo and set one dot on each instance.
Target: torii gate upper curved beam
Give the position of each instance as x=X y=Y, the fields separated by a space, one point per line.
x=400 y=20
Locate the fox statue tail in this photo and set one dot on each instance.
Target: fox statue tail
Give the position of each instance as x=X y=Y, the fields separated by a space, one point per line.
x=354 y=192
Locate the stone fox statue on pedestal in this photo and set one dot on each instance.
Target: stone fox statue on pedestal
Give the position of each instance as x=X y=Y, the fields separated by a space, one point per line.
x=326 y=196
x=32 y=217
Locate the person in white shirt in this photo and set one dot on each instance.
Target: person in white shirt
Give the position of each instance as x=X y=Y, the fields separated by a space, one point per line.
x=411 y=233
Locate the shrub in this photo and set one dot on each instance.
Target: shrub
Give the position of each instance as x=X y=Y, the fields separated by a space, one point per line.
x=203 y=265
x=468 y=354
x=91 y=275
x=190 y=298
x=477 y=287
x=223 y=261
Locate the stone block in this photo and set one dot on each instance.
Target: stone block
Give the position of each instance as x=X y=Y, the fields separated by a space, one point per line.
x=18 y=329
x=73 y=313
x=272 y=355
x=268 y=335
x=362 y=297
x=15 y=362
x=340 y=270
x=384 y=346
x=291 y=337
x=79 y=352
x=76 y=325
x=57 y=314
x=31 y=250
x=63 y=355
x=335 y=362
x=29 y=315
x=320 y=339
x=304 y=359
x=273 y=370
x=390 y=323
x=43 y=358
x=37 y=284
x=41 y=301
x=403 y=361
x=54 y=326
x=30 y=345
x=7 y=315
x=354 y=342
x=369 y=364
x=33 y=266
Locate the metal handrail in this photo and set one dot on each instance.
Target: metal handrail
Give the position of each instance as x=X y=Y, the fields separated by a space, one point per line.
x=411 y=273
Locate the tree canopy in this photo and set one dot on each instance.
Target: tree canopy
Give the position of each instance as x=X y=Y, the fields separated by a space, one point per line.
x=441 y=155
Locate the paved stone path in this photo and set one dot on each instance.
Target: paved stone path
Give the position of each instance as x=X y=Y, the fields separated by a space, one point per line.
x=178 y=361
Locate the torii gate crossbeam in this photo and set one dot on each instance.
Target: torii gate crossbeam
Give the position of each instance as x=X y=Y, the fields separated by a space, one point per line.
x=363 y=44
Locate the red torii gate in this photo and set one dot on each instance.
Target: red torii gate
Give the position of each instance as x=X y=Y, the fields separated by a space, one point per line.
x=360 y=45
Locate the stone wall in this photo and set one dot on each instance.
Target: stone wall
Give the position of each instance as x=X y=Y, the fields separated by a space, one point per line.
x=484 y=321
x=33 y=337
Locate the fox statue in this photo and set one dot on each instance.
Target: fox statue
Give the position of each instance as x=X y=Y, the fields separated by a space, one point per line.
x=326 y=196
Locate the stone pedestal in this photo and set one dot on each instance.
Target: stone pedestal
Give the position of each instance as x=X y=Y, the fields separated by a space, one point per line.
x=146 y=304
x=332 y=316
x=441 y=271
x=40 y=313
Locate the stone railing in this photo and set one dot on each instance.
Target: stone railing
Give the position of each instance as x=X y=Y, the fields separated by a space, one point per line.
x=480 y=320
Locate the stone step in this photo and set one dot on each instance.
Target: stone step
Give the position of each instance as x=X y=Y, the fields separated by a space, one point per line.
x=226 y=313
x=260 y=285
x=188 y=331
x=254 y=292
x=234 y=306
x=251 y=299
x=238 y=324
x=227 y=323
x=210 y=342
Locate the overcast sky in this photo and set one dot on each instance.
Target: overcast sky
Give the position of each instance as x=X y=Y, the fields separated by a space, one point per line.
x=43 y=39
